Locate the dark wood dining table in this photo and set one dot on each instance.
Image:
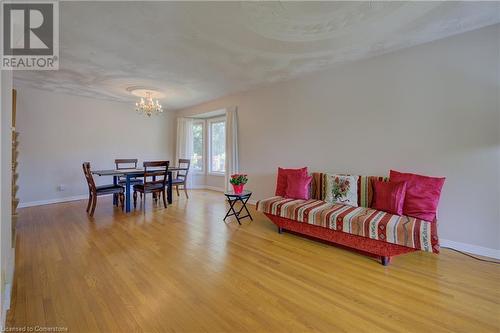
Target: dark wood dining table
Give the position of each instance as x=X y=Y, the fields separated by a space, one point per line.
x=132 y=173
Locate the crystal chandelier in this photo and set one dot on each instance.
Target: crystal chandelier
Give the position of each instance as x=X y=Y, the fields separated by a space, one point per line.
x=148 y=106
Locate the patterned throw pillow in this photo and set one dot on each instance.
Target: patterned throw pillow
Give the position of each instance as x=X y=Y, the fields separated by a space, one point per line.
x=342 y=189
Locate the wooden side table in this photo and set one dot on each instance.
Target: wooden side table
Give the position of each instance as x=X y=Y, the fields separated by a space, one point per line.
x=233 y=198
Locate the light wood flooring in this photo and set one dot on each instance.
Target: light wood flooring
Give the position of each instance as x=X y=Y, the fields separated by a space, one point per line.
x=182 y=269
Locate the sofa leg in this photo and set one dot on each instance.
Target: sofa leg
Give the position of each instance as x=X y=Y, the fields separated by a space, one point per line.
x=280 y=230
x=385 y=260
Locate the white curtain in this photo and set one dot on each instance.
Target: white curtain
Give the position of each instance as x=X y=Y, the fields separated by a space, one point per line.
x=184 y=148
x=232 y=158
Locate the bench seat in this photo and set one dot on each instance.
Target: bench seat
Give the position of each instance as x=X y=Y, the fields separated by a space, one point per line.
x=361 y=222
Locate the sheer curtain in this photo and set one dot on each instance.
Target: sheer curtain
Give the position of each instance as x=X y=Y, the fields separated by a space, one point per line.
x=184 y=148
x=232 y=158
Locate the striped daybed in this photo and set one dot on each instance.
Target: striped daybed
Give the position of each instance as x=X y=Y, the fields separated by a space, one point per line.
x=362 y=228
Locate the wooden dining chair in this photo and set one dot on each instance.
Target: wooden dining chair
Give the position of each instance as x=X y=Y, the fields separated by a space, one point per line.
x=155 y=181
x=95 y=191
x=181 y=178
x=127 y=163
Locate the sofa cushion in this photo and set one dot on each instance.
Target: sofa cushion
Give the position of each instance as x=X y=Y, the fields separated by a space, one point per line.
x=389 y=196
x=422 y=194
x=298 y=186
x=318 y=186
x=281 y=180
x=361 y=221
x=342 y=189
x=365 y=189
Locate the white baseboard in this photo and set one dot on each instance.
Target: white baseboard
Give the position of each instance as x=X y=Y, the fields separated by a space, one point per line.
x=205 y=187
x=196 y=187
x=52 y=201
x=213 y=188
x=8 y=276
x=6 y=302
x=470 y=248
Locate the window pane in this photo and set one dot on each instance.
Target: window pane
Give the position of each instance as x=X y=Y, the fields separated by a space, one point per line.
x=197 y=158
x=218 y=146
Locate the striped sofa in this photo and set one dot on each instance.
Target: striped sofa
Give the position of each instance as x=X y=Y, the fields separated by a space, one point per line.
x=362 y=228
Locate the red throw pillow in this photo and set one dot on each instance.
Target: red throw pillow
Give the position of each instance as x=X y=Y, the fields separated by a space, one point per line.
x=422 y=194
x=389 y=196
x=298 y=186
x=281 y=181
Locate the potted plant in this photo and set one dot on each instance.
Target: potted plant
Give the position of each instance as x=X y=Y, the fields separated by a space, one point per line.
x=238 y=181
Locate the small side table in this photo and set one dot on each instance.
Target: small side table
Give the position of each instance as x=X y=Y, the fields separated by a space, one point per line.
x=233 y=198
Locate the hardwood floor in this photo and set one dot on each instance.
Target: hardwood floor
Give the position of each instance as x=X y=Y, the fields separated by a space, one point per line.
x=182 y=269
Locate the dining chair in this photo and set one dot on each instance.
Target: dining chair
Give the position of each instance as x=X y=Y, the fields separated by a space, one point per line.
x=180 y=179
x=127 y=163
x=155 y=181
x=95 y=191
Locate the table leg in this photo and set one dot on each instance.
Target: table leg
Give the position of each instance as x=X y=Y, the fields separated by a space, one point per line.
x=115 y=197
x=127 y=195
x=169 y=188
x=241 y=208
x=245 y=206
x=231 y=209
x=154 y=193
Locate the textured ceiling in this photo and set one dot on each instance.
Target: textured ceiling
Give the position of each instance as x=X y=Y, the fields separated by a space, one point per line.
x=196 y=51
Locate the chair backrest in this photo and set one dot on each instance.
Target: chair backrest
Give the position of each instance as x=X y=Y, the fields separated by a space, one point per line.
x=88 y=176
x=126 y=163
x=156 y=170
x=183 y=163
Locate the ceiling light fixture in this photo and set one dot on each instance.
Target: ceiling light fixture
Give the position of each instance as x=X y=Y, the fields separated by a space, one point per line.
x=148 y=106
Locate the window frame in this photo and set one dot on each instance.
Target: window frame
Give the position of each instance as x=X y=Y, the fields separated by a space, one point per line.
x=204 y=145
x=209 y=145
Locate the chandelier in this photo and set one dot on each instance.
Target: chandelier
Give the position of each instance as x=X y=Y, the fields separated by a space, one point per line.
x=148 y=106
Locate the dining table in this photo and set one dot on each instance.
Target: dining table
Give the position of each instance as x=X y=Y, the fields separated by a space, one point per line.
x=129 y=174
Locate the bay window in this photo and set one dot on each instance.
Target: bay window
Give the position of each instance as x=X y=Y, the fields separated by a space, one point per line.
x=217 y=146
x=197 y=160
x=209 y=139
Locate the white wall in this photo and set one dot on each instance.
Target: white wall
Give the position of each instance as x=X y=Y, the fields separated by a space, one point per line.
x=431 y=109
x=58 y=132
x=6 y=250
